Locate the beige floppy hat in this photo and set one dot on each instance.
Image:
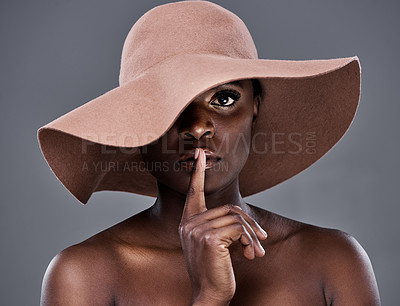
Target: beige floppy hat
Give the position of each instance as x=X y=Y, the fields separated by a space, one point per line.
x=173 y=53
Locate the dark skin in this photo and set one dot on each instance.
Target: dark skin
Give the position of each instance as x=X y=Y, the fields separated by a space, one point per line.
x=201 y=243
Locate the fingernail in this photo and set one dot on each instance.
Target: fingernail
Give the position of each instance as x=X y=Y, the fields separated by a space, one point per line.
x=238 y=207
x=264 y=233
x=196 y=153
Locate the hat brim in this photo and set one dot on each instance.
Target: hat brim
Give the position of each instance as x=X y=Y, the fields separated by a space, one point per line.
x=309 y=103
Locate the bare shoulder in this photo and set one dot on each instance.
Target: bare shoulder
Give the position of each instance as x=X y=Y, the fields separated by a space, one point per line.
x=89 y=273
x=345 y=268
x=338 y=258
x=348 y=275
x=81 y=274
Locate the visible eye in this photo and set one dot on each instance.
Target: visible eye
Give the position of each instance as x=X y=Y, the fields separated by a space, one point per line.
x=225 y=98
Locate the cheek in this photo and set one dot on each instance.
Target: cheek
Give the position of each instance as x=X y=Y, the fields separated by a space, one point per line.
x=242 y=145
x=235 y=142
x=236 y=130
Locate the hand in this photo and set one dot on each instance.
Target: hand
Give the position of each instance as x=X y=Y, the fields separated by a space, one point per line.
x=205 y=237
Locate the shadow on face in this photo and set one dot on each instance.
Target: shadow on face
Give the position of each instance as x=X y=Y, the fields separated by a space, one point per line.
x=219 y=120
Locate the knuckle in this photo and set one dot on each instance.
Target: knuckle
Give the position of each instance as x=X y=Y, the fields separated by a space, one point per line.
x=191 y=191
x=247 y=238
x=252 y=221
x=184 y=229
x=238 y=218
x=239 y=227
x=229 y=206
x=195 y=233
x=208 y=238
x=181 y=231
x=251 y=242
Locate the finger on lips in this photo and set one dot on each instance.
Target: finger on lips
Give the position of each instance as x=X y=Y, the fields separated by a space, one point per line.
x=226 y=219
x=195 y=201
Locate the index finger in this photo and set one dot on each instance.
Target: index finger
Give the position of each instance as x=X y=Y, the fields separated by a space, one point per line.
x=195 y=201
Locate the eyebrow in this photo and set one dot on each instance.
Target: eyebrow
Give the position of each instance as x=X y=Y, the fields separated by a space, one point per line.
x=237 y=83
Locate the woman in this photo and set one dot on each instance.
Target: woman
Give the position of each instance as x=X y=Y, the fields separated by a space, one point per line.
x=198 y=109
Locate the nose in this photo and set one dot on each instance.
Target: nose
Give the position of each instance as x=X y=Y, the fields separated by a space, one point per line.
x=196 y=123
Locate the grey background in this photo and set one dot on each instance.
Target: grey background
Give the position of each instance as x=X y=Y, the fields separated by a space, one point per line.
x=56 y=55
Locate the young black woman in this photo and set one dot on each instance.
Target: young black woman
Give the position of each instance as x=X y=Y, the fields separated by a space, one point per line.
x=200 y=242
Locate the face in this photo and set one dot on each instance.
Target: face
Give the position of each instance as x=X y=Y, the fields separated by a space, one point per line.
x=219 y=120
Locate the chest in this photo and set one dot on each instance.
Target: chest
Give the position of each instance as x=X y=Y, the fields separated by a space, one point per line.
x=162 y=279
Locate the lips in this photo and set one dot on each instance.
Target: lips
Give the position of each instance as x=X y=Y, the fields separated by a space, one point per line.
x=189 y=156
x=187 y=159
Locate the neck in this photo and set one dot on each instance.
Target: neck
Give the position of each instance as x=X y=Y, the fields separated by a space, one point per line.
x=166 y=212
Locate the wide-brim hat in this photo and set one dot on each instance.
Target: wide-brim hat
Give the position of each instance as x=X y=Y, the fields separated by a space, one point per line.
x=173 y=53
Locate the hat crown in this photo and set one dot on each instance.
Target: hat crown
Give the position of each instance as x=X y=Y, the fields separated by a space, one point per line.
x=183 y=27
